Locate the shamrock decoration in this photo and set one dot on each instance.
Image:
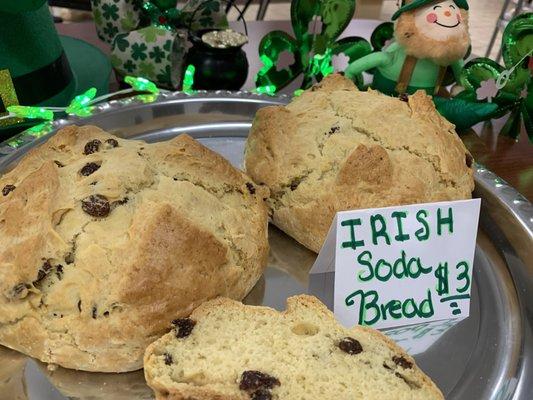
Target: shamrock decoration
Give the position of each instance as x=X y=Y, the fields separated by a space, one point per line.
x=510 y=87
x=312 y=51
x=138 y=51
x=487 y=90
x=149 y=37
x=110 y=11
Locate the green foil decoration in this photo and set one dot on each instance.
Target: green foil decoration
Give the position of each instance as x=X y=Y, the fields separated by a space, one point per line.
x=511 y=83
x=316 y=24
x=381 y=35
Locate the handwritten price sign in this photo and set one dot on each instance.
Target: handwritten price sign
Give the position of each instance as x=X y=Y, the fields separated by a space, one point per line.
x=401 y=265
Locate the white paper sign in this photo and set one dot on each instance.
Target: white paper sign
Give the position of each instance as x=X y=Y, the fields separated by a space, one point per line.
x=401 y=265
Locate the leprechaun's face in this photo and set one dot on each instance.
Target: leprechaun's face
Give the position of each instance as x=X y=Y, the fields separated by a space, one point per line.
x=441 y=20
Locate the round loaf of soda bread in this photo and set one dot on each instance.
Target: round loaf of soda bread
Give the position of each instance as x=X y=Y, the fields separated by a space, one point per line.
x=103 y=241
x=336 y=148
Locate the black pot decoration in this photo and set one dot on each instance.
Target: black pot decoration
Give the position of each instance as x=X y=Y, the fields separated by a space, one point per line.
x=219 y=64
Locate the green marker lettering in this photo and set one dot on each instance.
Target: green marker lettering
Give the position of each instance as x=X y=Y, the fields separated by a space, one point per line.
x=388 y=270
x=423 y=233
x=353 y=244
x=426 y=307
x=441 y=273
x=444 y=221
x=463 y=275
x=365 y=306
x=369 y=301
x=365 y=259
x=420 y=269
x=399 y=268
x=394 y=308
x=400 y=215
x=405 y=308
x=409 y=269
x=382 y=231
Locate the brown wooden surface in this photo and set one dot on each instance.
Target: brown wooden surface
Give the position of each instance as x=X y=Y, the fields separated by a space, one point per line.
x=511 y=160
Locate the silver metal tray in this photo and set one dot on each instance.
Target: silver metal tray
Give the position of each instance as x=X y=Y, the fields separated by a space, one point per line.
x=486 y=356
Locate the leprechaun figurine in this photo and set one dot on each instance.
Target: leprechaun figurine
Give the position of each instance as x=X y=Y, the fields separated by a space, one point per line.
x=430 y=37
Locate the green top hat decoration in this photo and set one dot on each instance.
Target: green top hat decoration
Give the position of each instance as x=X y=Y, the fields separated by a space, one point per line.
x=412 y=5
x=37 y=66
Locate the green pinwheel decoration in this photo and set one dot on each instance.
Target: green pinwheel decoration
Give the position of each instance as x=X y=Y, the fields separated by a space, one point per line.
x=316 y=24
x=510 y=86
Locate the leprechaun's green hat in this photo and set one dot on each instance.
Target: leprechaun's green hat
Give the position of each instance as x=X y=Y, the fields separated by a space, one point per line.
x=411 y=5
x=42 y=67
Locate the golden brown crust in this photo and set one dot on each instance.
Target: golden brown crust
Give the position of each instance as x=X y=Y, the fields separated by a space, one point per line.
x=367 y=164
x=300 y=309
x=331 y=150
x=90 y=292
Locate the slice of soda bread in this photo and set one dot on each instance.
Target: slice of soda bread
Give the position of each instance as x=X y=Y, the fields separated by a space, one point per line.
x=229 y=351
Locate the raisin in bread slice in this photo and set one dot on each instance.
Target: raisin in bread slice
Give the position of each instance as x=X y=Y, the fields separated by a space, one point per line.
x=230 y=351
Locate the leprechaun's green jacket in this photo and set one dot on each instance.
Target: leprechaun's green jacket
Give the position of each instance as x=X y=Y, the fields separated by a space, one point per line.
x=388 y=64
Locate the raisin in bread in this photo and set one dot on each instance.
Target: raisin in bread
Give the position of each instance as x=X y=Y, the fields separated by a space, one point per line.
x=335 y=148
x=103 y=240
x=228 y=351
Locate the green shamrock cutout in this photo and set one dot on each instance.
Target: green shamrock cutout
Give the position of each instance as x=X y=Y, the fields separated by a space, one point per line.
x=510 y=86
x=312 y=51
x=110 y=12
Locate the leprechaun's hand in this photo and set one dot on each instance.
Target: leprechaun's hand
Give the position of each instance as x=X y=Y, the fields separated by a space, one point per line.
x=366 y=63
x=20 y=6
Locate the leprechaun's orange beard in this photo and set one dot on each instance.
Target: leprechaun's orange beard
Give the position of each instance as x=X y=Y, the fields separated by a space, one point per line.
x=441 y=44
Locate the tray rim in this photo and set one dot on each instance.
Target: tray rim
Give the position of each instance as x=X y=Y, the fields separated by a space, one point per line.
x=508 y=198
